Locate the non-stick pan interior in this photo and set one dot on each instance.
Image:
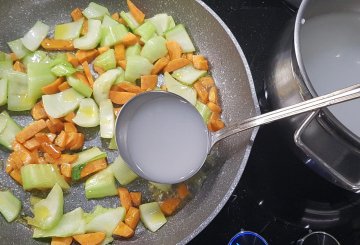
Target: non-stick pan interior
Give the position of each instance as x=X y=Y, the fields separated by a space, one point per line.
x=228 y=159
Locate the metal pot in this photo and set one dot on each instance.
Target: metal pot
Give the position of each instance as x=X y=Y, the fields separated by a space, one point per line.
x=232 y=76
x=319 y=138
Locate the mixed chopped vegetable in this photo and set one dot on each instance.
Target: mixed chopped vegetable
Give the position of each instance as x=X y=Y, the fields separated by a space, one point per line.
x=79 y=78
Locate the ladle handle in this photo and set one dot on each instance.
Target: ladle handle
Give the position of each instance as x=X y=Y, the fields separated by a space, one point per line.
x=336 y=97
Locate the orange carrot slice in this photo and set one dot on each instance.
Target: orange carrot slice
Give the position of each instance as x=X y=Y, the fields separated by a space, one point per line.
x=32 y=144
x=70 y=127
x=90 y=238
x=138 y=15
x=125 y=198
x=201 y=92
x=76 y=14
x=174 y=49
x=149 y=82
x=169 y=206
x=88 y=74
x=200 y=62
x=122 y=64
x=132 y=217
x=182 y=190
x=135 y=198
x=53 y=87
x=18 y=66
x=176 y=64
x=65 y=169
x=64 y=86
x=159 y=65
x=119 y=52
x=123 y=230
x=130 y=39
x=57 y=45
x=86 y=55
x=38 y=112
x=71 y=58
x=69 y=117
x=93 y=167
x=30 y=130
x=128 y=87
x=120 y=98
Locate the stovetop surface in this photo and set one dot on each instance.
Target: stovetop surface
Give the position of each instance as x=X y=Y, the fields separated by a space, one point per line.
x=277 y=197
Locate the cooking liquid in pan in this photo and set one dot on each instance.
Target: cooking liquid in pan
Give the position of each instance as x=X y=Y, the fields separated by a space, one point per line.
x=175 y=132
x=330 y=49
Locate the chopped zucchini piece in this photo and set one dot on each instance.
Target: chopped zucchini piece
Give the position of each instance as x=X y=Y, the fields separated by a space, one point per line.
x=69 y=31
x=102 y=184
x=133 y=50
x=80 y=86
x=106 y=60
x=63 y=69
x=146 y=31
x=103 y=84
x=18 y=92
x=10 y=206
x=71 y=223
x=9 y=130
x=204 y=111
x=107 y=119
x=130 y=20
x=3 y=91
x=122 y=171
x=180 y=35
x=88 y=114
x=39 y=75
x=154 y=49
x=95 y=11
x=151 y=216
x=60 y=104
x=112 y=35
x=42 y=176
x=180 y=89
x=162 y=23
x=188 y=74
x=35 y=36
x=137 y=66
x=92 y=37
x=48 y=211
x=18 y=48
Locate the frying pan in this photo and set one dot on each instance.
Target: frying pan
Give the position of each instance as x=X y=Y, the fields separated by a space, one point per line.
x=227 y=161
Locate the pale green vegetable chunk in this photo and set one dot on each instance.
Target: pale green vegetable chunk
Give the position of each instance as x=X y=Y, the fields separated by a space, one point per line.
x=48 y=211
x=188 y=74
x=92 y=37
x=151 y=216
x=71 y=223
x=122 y=171
x=180 y=89
x=35 y=36
x=10 y=206
x=68 y=31
x=60 y=104
x=88 y=114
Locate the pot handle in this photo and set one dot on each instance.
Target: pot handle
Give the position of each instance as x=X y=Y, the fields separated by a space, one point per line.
x=327 y=153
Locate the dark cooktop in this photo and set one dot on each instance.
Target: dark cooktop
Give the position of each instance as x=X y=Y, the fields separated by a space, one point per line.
x=277 y=197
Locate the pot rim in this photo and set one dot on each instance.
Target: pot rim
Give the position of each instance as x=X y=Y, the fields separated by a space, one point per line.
x=339 y=126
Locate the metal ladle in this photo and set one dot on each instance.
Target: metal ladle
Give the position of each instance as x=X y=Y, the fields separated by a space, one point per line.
x=166 y=172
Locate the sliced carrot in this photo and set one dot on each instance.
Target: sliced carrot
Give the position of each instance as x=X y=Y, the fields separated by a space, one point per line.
x=125 y=198
x=122 y=64
x=182 y=190
x=85 y=27
x=67 y=158
x=13 y=57
x=79 y=142
x=70 y=127
x=86 y=55
x=71 y=58
x=81 y=76
x=159 y=65
x=119 y=52
x=128 y=87
x=200 y=62
x=57 y=45
x=76 y=14
x=31 y=130
x=54 y=125
x=135 y=198
x=99 y=70
x=117 y=110
x=88 y=74
x=201 y=92
x=8 y=167
x=38 y=112
x=115 y=16
x=51 y=149
x=65 y=169
x=117 y=88
x=61 y=139
x=120 y=98
x=190 y=56
x=69 y=118
x=32 y=144
x=174 y=49
x=213 y=95
x=71 y=139
x=15 y=161
x=53 y=87
x=130 y=39
x=149 y=82
x=176 y=64
x=103 y=49
x=122 y=21
x=132 y=217
x=18 y=66
x=34 y=156
x=51 y=137
x=16 y=175
x=207 y=82
x=215 y=123
x=42 y=137
x=90 y=238
x=138 y=15
x=123 y=230
x=214 y=107
x=61 y=241
x=42 y=160
x=64 y=86
x=93 y=167
x=169 y=206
